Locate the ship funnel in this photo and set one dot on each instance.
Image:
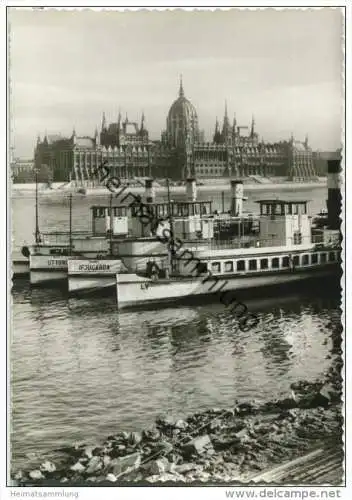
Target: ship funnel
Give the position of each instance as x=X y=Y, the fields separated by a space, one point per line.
x=334 y=194
x=149 y=191
x=191 y=190
x=236 y=198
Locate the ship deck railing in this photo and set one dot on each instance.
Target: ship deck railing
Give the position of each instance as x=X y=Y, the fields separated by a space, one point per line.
x=63 y=237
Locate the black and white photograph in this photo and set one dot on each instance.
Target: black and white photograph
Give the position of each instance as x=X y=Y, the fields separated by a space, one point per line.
x=176 y=250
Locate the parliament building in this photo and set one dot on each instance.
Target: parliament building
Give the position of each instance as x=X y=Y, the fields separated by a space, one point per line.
x=235 y=151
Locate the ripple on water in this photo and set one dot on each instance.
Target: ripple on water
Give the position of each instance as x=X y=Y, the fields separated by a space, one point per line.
x=81 y=373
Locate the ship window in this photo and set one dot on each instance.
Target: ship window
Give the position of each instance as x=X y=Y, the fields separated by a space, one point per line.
x=202 y=268
x=305 y=260
x=228 y=266
x=297 y=238
x=241 y=265
x=55 y=251
x=263 y=263
x=275 y=263
x=253 y=265
x=278 y=209
x=331 y=256
x=215 y=267
x=285 y=261
x=323 y=258
x=296 y=260
x=314 y=258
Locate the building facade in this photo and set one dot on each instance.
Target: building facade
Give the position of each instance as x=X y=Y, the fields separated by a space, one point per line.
x=124 y=146
x=235 y=151
x=22 y=170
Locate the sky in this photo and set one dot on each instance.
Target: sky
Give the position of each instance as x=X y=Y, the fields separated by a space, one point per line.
x=282 y=66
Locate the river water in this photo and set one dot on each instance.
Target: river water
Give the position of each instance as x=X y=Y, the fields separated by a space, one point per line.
x=81 y=371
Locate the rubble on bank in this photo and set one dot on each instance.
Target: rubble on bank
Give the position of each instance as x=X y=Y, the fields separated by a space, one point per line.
x=214 y=446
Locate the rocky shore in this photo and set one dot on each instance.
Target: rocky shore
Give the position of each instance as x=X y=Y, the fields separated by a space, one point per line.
x=215 y=446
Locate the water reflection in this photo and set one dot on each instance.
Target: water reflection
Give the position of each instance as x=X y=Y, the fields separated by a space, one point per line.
x=80 y=369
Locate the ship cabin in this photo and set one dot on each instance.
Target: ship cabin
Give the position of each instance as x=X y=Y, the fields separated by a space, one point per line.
x=58 y=243
x=284 y=223
x=139 y=219
x=284 y=243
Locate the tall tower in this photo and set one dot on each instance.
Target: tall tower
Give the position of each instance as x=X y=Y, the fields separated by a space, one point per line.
x=103 y=123
x=97 y=137
x=234 y=126
x=226 y=128
x=217 y=134
x=252 y=126
x=74 y=137
x=142 y=122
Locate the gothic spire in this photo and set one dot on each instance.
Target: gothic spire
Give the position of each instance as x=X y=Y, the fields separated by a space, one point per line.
x=181 y=92
x=97 y=137
x=217 y=135
x=142 y=121
x=226 y=124
x=216 y=125
x=103 y=122
x=234 y=126
x=252 y=126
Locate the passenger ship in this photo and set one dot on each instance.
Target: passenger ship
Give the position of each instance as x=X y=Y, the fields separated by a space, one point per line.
x=48 y=260
x=286 y=251
x=49 y=255
x=134 y=238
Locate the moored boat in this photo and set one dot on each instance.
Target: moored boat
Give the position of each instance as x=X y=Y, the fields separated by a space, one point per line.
x=134 y=233
x=48 y=262
x=89 y=275
x=49 y=255
x=285 y=252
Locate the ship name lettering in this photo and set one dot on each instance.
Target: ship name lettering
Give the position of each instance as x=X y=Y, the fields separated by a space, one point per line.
x=57 y=262
x=94 y=267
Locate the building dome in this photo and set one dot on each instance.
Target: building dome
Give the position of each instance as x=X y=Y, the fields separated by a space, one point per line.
x=182 y=121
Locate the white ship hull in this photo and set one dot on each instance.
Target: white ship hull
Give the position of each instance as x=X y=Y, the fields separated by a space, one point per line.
x=134 y=291
x=46 y=268
x=92 y=275
x=135 y=253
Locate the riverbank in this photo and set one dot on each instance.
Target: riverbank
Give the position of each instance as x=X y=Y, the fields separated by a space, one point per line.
x=64 y=190
x=216 y=446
